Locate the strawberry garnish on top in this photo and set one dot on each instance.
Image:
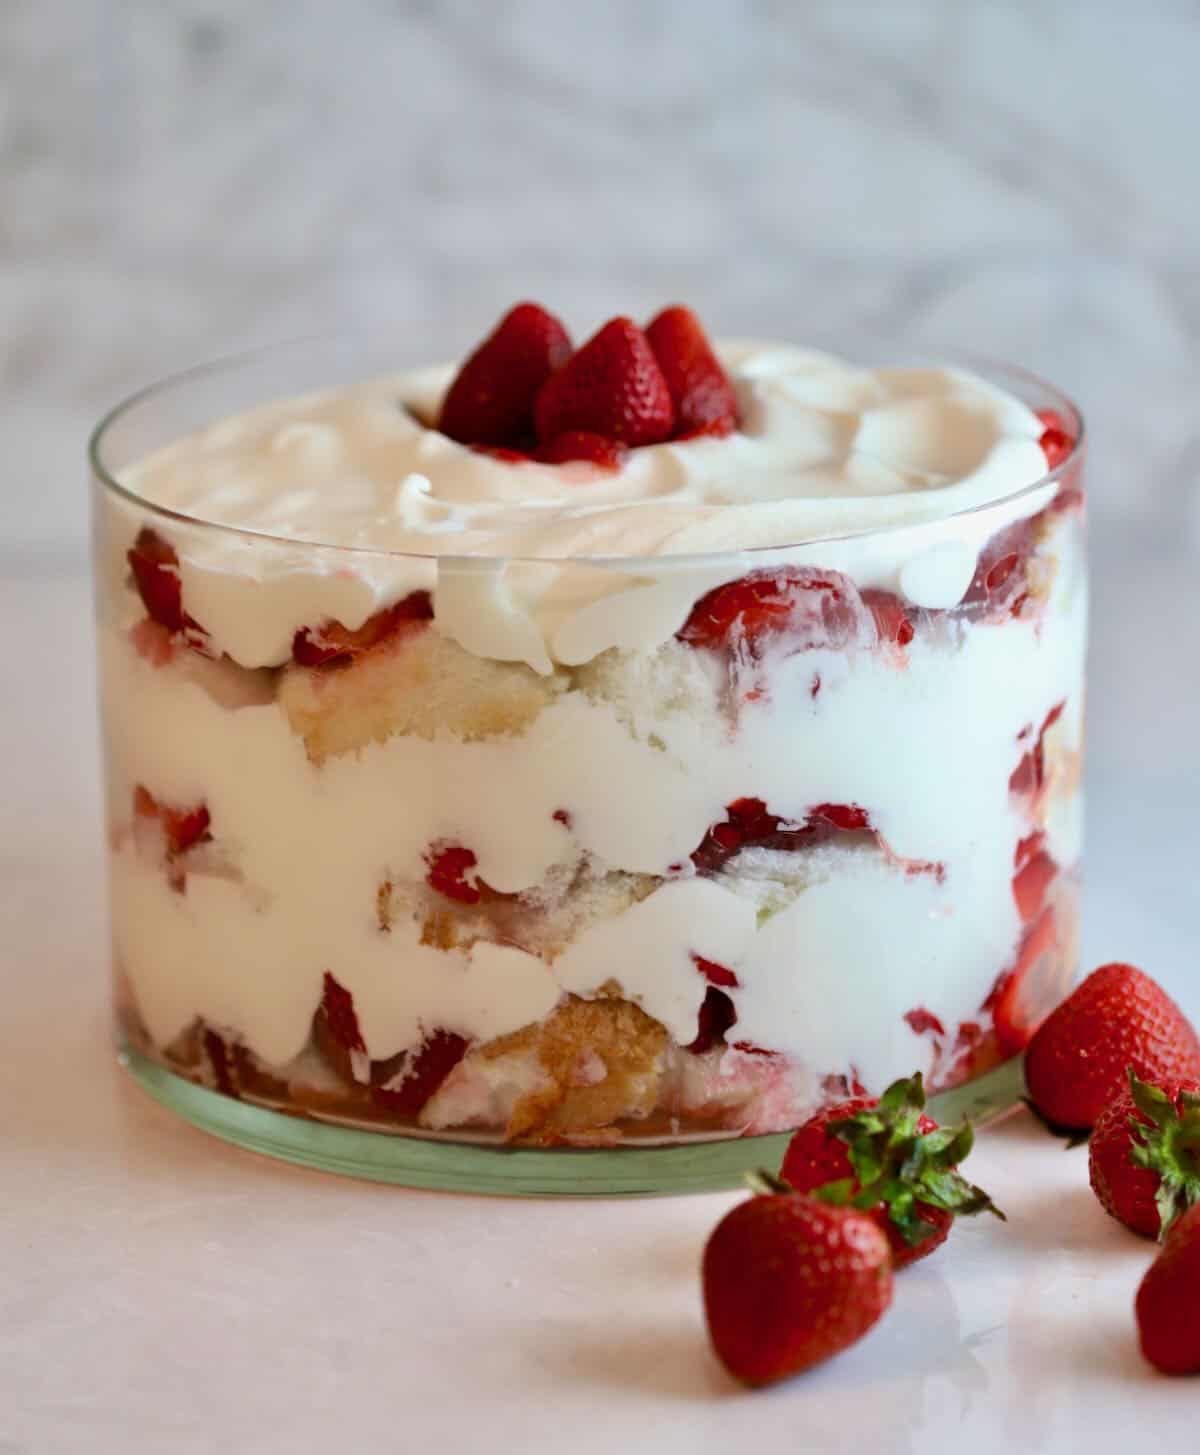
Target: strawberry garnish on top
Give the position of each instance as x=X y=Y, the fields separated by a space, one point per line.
x=1144 y=1155
x=491 y=399
x=1118 y=1019
x=889 y=1160
x=612 y=386
x=582 y=444
x=523 y=395
x=700 y=389
x=789 y=1281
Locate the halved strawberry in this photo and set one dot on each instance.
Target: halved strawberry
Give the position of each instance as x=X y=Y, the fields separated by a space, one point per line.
x=704 y=400
x=814 y=608
x=612 y=386
x=331 y=642
x=491 y=399
x=582 y=444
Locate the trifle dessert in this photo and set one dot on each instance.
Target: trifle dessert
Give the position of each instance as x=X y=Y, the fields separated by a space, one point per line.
x=640 y=741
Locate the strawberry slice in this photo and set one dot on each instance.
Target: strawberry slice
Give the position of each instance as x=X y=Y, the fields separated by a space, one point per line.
x=891 y=620
x=999 y=588
x=748 y=825
x=715 y=974
x=1056 y=441
x=154 y=564
x=220 y=1063
x=155 y=567
x=1031 y=883
x=716 y=1017
x=582 y=444
x=181 y=829
x=422 y=1074
x=332 y=643
x=340 y=1017
x=700 y=389
x=814 y=608
x=447 y=873
x=612 y=386
x=491 y=399
x=1015 y=1003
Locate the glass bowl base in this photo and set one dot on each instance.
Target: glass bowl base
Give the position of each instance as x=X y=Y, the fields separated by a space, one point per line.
x=405 y=1160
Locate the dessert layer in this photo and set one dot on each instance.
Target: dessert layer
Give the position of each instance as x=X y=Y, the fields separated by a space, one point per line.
x=584 y=830
x=823 y=450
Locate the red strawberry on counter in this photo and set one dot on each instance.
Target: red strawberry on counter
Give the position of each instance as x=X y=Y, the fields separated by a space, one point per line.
x=700 y=389
x=491 y=399
x=789 y=1281
x=1117 y=1020
x=892 y=1163
x=612 y=386
x=1168 y=1301
x=1144 y=1155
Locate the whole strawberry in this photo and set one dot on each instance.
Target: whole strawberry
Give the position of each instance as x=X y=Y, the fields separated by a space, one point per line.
x=611 y=386
x=491 y=399
x=1144 y=1155
x=889 y=1160
x=1168 y=1301
x=700 y=389
x=1118 y=1019
x=790 y=1281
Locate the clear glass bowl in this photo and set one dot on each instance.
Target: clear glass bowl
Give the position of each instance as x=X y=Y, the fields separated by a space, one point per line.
x=385 y=905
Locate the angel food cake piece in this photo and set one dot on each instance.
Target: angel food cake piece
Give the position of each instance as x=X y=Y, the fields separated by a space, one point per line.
x=639 y=740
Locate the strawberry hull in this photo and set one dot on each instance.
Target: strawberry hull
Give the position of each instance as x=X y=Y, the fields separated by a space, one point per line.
x=559 y=853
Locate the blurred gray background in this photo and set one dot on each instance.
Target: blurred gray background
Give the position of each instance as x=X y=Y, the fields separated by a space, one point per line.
x=1018 y=179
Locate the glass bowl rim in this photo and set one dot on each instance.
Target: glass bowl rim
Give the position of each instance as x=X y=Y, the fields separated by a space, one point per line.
x=180 y=378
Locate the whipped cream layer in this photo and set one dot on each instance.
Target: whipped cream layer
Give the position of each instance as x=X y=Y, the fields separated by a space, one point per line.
x=547 y=564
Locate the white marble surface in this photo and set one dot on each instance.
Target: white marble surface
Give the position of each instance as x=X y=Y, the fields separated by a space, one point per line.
x=183 y=178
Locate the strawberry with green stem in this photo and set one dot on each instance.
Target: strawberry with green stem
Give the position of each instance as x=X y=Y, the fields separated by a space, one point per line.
x=1144 y=1155
x=888 y=1159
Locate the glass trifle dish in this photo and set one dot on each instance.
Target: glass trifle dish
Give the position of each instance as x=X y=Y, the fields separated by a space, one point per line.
x=602 y=755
